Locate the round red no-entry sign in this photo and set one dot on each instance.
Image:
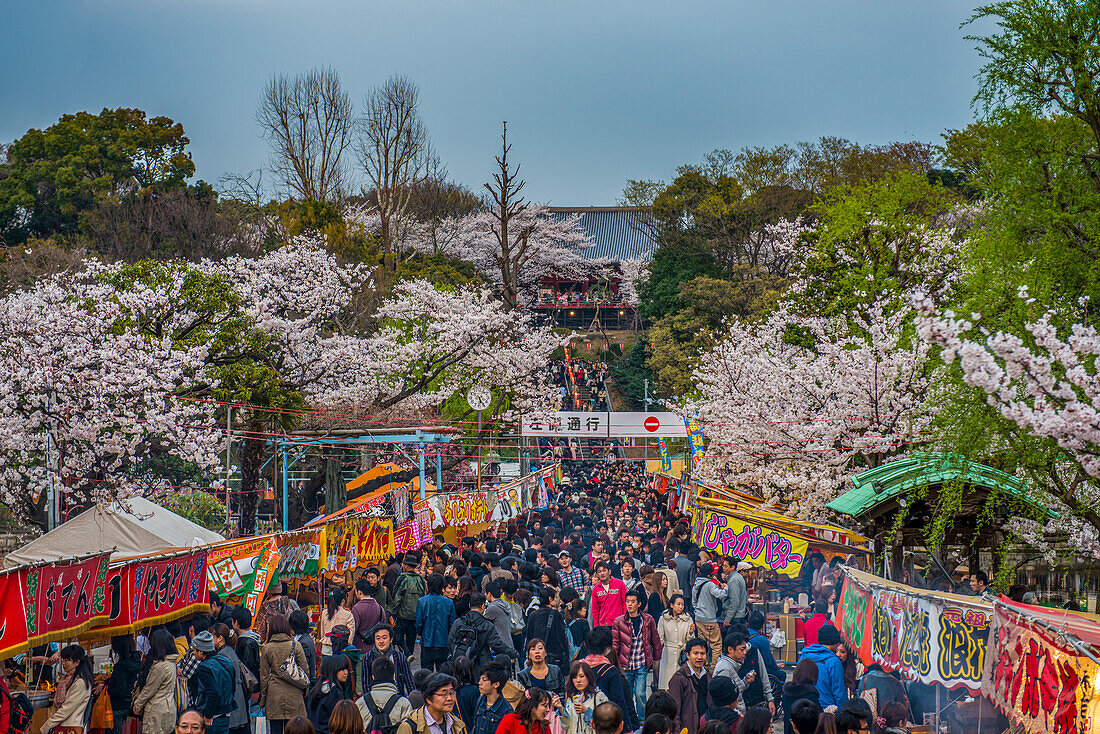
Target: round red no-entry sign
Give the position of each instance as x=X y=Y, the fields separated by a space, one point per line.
x=652 y=423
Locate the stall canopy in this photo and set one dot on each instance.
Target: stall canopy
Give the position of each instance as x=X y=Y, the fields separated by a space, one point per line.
x=141 y=528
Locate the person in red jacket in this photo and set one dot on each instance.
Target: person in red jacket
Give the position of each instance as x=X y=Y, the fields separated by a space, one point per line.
x=532 y=714
x=608 y=597
x=814 y=624
x=635 y=640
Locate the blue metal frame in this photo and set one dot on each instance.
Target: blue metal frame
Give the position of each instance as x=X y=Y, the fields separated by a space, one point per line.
x=284 y=447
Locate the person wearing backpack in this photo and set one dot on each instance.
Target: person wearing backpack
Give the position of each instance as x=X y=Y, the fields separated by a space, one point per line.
x=215 y=680
x=156 y=702
x=609 y=678
x=473 y=636
x=238 y=717
x=407 y=591
x=435 y=614
x=284 y=675
x=248 y=642
x=383 y=707
x=498 y=612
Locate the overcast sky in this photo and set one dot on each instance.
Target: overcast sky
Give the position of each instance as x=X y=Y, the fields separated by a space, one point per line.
x=594 y=93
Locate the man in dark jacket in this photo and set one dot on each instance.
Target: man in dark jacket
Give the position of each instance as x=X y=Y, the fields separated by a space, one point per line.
x=474 y=636
x=435 y=614
x=214 y=684
x=384 y=648
x=407 y=591
x=248 y=642
x=548 y=624
x=689 y=686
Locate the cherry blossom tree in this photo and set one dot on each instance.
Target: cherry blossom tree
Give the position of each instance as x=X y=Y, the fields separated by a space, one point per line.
x=1046 y=385
x=87 y=396
x=794 y=405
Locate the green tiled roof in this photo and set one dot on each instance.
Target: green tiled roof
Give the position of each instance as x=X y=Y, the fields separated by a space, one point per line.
x=885 y=483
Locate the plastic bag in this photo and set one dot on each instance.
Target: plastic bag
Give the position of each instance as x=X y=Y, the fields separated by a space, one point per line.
x=103 y=717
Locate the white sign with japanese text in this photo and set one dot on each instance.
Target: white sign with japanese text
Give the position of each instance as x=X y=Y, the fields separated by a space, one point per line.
x=604 y=425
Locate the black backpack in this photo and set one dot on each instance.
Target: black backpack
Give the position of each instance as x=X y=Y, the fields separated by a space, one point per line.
x=21 y=711
x=380 y=717
x=466 y=643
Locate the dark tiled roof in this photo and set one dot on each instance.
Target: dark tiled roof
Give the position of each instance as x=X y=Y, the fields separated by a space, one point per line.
x=616 y=230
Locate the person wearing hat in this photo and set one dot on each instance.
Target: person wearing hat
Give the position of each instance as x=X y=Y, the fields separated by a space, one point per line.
x=407 y=591
x=831 y=688
x=724 y=698
x=706 y=597
x=737 y=591
x=571 y=576
x=215 y=680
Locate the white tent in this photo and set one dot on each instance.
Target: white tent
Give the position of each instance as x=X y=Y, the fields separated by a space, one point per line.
x=142 y=528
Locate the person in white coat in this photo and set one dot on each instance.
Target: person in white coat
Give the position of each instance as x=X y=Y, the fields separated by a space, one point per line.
x=74 y=691
x=674 y=628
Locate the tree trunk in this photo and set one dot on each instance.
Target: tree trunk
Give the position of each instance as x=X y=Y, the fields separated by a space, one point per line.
x=252 y=458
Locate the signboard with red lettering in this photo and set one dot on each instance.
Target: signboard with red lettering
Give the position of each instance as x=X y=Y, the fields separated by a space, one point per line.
x=463 y=509
x=934 y=639
x=357 y=542
x=1041 y=683
x=146 y=593
x=749 y=541
x=64 y=599
x=13 y=613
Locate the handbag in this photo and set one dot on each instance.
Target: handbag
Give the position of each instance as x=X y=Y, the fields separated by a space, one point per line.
x=290 y=671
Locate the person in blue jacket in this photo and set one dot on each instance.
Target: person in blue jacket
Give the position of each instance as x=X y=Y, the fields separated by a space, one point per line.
x=830 y=671
x=760 y=642
x=435 y=614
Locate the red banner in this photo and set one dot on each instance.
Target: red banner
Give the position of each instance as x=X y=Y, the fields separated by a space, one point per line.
x=146 y=593
x=854 y=618
x=65 y=598
x=13 y=613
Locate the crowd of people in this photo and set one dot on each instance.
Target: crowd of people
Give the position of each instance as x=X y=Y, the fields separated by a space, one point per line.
x=597 y=615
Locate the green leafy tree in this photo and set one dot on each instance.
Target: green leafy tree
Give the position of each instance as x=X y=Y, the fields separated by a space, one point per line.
x=52 y=175
x=678 y=341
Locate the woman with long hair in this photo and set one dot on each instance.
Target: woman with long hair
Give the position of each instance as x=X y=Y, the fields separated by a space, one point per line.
x=466 y=690
x=345 y=719
x=466 y=587
x=581 y=699
x=123 y=679
x=674 y=628
x=851 y=671
x=156 y=702
x=280 y=698
x=656 y=587
x=802 y=685
x=532 y=714
x=73 y=693
x=539 y=673
x=334 y=614
x=328 y=692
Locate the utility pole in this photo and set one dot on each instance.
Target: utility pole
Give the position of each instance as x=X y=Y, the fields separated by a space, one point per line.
x=228 y=456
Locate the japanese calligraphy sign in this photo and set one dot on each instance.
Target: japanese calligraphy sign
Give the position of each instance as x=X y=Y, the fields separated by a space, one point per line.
x=416 y=533
x=462 y=509
x=299 y=555
x=13 y=613
x=585 y=424
x=935 y=640
x=146 y=593
x=1041 y=684
x=357 y=542
x=854 y=617
x=749 y=541
x=64 y=599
